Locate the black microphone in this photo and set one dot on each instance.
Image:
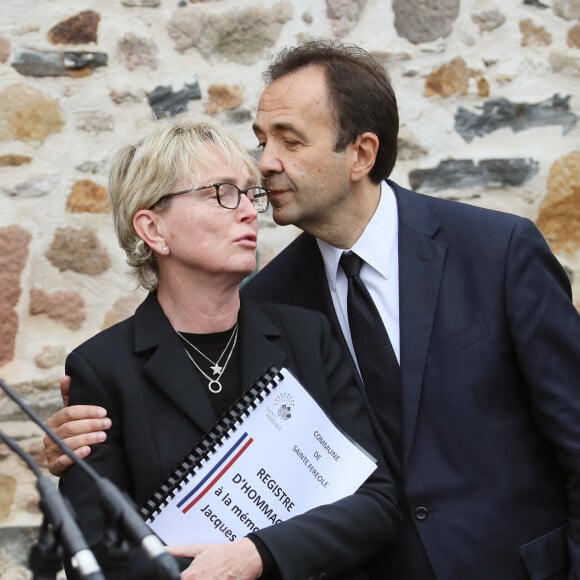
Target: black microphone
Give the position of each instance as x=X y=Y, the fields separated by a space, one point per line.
x=64 y=527
x=117 y=505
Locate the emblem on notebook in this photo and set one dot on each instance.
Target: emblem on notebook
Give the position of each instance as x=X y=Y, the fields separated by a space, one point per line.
x=284 y=402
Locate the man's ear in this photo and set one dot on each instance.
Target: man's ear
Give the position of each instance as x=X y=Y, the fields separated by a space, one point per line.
x=149 y=229
x=365 y=149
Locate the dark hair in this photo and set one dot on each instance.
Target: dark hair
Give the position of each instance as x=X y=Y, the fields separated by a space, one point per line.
x=360 y=93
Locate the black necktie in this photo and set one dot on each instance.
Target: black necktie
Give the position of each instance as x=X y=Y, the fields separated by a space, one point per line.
x=376 y=358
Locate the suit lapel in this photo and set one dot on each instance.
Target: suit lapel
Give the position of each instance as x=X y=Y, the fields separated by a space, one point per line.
x=168 y=365
x=260 y=345
x=421 y=259
x=311 y=285
x=309 y=275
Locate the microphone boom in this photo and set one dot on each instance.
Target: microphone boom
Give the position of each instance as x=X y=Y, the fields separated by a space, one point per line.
x=116 y=504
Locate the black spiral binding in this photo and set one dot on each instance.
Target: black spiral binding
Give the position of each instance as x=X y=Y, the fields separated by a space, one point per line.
x=220 y=432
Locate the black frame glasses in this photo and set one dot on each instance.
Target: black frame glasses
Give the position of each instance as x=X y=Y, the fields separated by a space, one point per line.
x=230 y=195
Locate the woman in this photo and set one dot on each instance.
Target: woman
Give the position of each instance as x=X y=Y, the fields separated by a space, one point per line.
x=185 y=203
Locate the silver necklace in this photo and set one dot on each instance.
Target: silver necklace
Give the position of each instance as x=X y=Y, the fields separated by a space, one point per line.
x=216 y=368
x=214 y=384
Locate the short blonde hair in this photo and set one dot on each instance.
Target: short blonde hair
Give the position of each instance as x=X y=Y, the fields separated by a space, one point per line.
x=143 y=173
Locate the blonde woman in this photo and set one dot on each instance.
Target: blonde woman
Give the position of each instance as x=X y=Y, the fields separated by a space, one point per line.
x=185 y=205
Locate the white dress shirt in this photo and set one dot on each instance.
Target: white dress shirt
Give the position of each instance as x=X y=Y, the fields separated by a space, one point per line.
x=378 y=247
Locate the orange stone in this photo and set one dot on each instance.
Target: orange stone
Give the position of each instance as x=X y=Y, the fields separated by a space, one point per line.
x=89 y=197
x=559 y=215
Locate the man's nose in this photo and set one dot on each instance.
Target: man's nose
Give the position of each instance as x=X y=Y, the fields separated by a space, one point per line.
x=270 y=162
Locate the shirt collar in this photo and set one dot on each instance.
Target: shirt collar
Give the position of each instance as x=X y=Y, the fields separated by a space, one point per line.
x=376 y=244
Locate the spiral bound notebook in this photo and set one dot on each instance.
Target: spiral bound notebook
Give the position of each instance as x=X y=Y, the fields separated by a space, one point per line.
x=273 y=455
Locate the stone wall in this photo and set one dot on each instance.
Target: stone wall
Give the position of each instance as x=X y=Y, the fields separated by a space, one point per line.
x=489 y=100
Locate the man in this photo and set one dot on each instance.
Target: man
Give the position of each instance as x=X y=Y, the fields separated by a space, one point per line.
x=477 y=310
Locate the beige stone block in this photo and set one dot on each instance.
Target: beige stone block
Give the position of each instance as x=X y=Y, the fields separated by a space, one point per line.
x=88 y=196
x=78 y=250
x=449 y=78
x=50 y=356
x=28 y=115
x=122 y=309
x=7 y=491
x=239 y=34
x=65 y=307
x=223 y=98
x=4 y=49
x=573 y=36
x=14 y=242
x=534 y=35
x=559 y=215
x=135 y=51
x=11 y=160
x=344 y=16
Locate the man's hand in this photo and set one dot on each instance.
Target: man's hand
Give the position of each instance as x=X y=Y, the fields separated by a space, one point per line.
x=78 y=426
x=239 y=560
x=64 y=389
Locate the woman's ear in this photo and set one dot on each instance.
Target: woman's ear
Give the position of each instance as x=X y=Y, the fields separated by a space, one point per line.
x=365 y=149
x=148 y=228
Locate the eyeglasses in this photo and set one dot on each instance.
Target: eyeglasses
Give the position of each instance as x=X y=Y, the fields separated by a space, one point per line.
x=229 y=195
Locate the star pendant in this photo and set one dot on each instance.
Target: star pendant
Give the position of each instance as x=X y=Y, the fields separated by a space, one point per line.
x=216 y=369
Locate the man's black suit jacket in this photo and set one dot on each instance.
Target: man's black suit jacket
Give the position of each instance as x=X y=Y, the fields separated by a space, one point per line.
x=160 y=409
x=490 y=364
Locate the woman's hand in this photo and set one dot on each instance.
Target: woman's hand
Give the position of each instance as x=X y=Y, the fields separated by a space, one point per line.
x=239 y=560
